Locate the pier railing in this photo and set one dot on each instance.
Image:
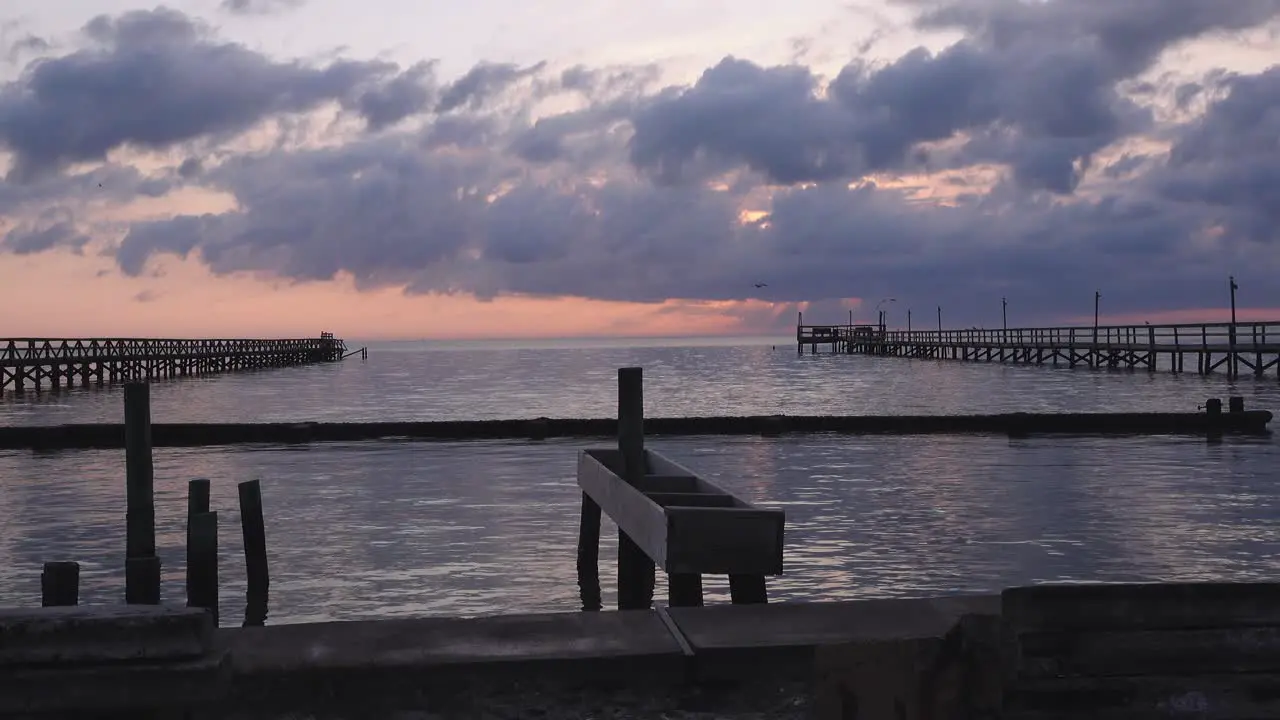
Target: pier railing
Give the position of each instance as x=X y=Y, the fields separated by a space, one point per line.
x=1188 y=337
x=23 y=351
x=1231 y=346
x=39 y=363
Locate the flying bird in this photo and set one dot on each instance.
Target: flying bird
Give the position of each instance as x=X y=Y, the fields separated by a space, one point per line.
x=760 y=285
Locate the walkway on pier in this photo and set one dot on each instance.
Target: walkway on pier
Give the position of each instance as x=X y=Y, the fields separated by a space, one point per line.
x=1230 y=348
x=49 y=363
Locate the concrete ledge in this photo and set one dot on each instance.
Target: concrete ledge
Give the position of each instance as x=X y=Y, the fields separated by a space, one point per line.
x=446 y=658
x=103 y=634
x=106 y=688
x=729 y=640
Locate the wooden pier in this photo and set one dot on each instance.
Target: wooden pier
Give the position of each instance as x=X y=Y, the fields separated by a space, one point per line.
x=1232 y=349
x=52 y=364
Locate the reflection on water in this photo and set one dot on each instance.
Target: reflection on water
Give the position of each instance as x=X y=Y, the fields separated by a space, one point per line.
x=388 y=529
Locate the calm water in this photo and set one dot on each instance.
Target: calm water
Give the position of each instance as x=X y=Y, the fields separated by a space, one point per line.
x=391 y=529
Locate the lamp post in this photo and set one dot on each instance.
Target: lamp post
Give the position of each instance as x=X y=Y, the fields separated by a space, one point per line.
x=1097 y=298
x=1004 y=312
x=908 y=320
x=939 y=322
x=1235 y=365
x=882 y=312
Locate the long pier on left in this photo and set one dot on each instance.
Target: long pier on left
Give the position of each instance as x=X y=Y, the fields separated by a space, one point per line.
x=55 y=363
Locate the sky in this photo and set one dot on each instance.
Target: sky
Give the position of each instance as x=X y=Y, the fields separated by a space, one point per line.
x=418 y=169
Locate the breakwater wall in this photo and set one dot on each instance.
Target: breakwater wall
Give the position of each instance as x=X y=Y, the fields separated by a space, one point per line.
x=1015 y=424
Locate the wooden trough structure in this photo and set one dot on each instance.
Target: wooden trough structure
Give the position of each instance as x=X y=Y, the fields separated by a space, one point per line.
x=668 y=518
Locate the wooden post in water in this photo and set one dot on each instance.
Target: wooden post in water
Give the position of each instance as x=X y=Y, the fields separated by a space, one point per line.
x=202 y=570
x=635 y=569
x=747 y=589
x=60 y=584
x=142 y=567
x=684 y=589
x=197 y=503
x=255 y=536
x=589 y=555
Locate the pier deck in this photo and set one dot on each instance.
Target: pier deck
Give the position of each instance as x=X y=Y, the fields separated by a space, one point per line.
x=54 y=363
x=1229 y=348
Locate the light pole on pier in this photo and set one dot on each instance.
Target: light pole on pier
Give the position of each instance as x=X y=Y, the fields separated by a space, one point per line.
x=1004 y=312
x=882 y=312
x=908 y=320
x=1097 y=298
x=939 y=320
x=1234 y=287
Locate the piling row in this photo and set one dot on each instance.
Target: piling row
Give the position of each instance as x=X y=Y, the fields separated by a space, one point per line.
x=59 y=580
x=41 y=364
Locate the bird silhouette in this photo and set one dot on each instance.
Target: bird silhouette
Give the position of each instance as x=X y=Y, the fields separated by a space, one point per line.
x=761 y=285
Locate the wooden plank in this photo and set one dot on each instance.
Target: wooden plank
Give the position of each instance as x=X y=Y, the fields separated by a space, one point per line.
x=633 y=512
x=668 y=484
x=697 y=540
x=687 y=499
x=1206 y=697
x=1149 y=652
x=724 y=541
x=1143 y=606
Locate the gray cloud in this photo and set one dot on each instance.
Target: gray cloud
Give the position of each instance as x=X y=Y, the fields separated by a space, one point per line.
x=155 y=79
x=259 y=7
x=27 y=239
x=605 y=200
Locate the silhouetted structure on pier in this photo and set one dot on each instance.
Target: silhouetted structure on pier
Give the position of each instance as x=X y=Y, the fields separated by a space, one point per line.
x=1229 y=348
x=45 y=363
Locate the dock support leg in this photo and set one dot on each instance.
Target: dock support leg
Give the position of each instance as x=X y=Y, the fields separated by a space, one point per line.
x=636 y=573
x=747 y=589
x=589 y=555
x=684 y=589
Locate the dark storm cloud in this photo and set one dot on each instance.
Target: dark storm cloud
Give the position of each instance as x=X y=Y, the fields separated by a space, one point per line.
x=484 y=201
x=1035 y=82
x=1228 y=161
x=155 y=79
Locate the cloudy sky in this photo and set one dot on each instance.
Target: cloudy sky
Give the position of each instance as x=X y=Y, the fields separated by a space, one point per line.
x=413 y=168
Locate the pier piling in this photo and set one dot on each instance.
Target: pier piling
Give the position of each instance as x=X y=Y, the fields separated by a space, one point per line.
x=202 y=570
x=636 y=570
x=253 y=527
x=684 y=589
x=197 y=502
x=60 y=584
x=142 y=567
x=589 y=555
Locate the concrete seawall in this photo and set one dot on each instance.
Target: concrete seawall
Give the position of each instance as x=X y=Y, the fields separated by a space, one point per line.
x=499 y=666
x=1017 y=424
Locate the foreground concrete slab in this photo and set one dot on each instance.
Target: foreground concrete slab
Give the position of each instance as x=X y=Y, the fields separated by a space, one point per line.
x=103 y=634
x=129 y=687
x=440 y=658
x=733 y=639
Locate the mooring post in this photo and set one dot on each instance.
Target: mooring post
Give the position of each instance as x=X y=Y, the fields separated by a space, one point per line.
x=142 y=567
x=197 y=503
x=255 y=536
x=589 y=555
x=60 y=584
x=635 y=569
x=202 y=572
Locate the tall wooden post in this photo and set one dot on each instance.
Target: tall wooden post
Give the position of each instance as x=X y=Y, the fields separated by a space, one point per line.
x=142 y=567
x=589 y=555
x=60 y=584
x=635 y=569
x=202 y=573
